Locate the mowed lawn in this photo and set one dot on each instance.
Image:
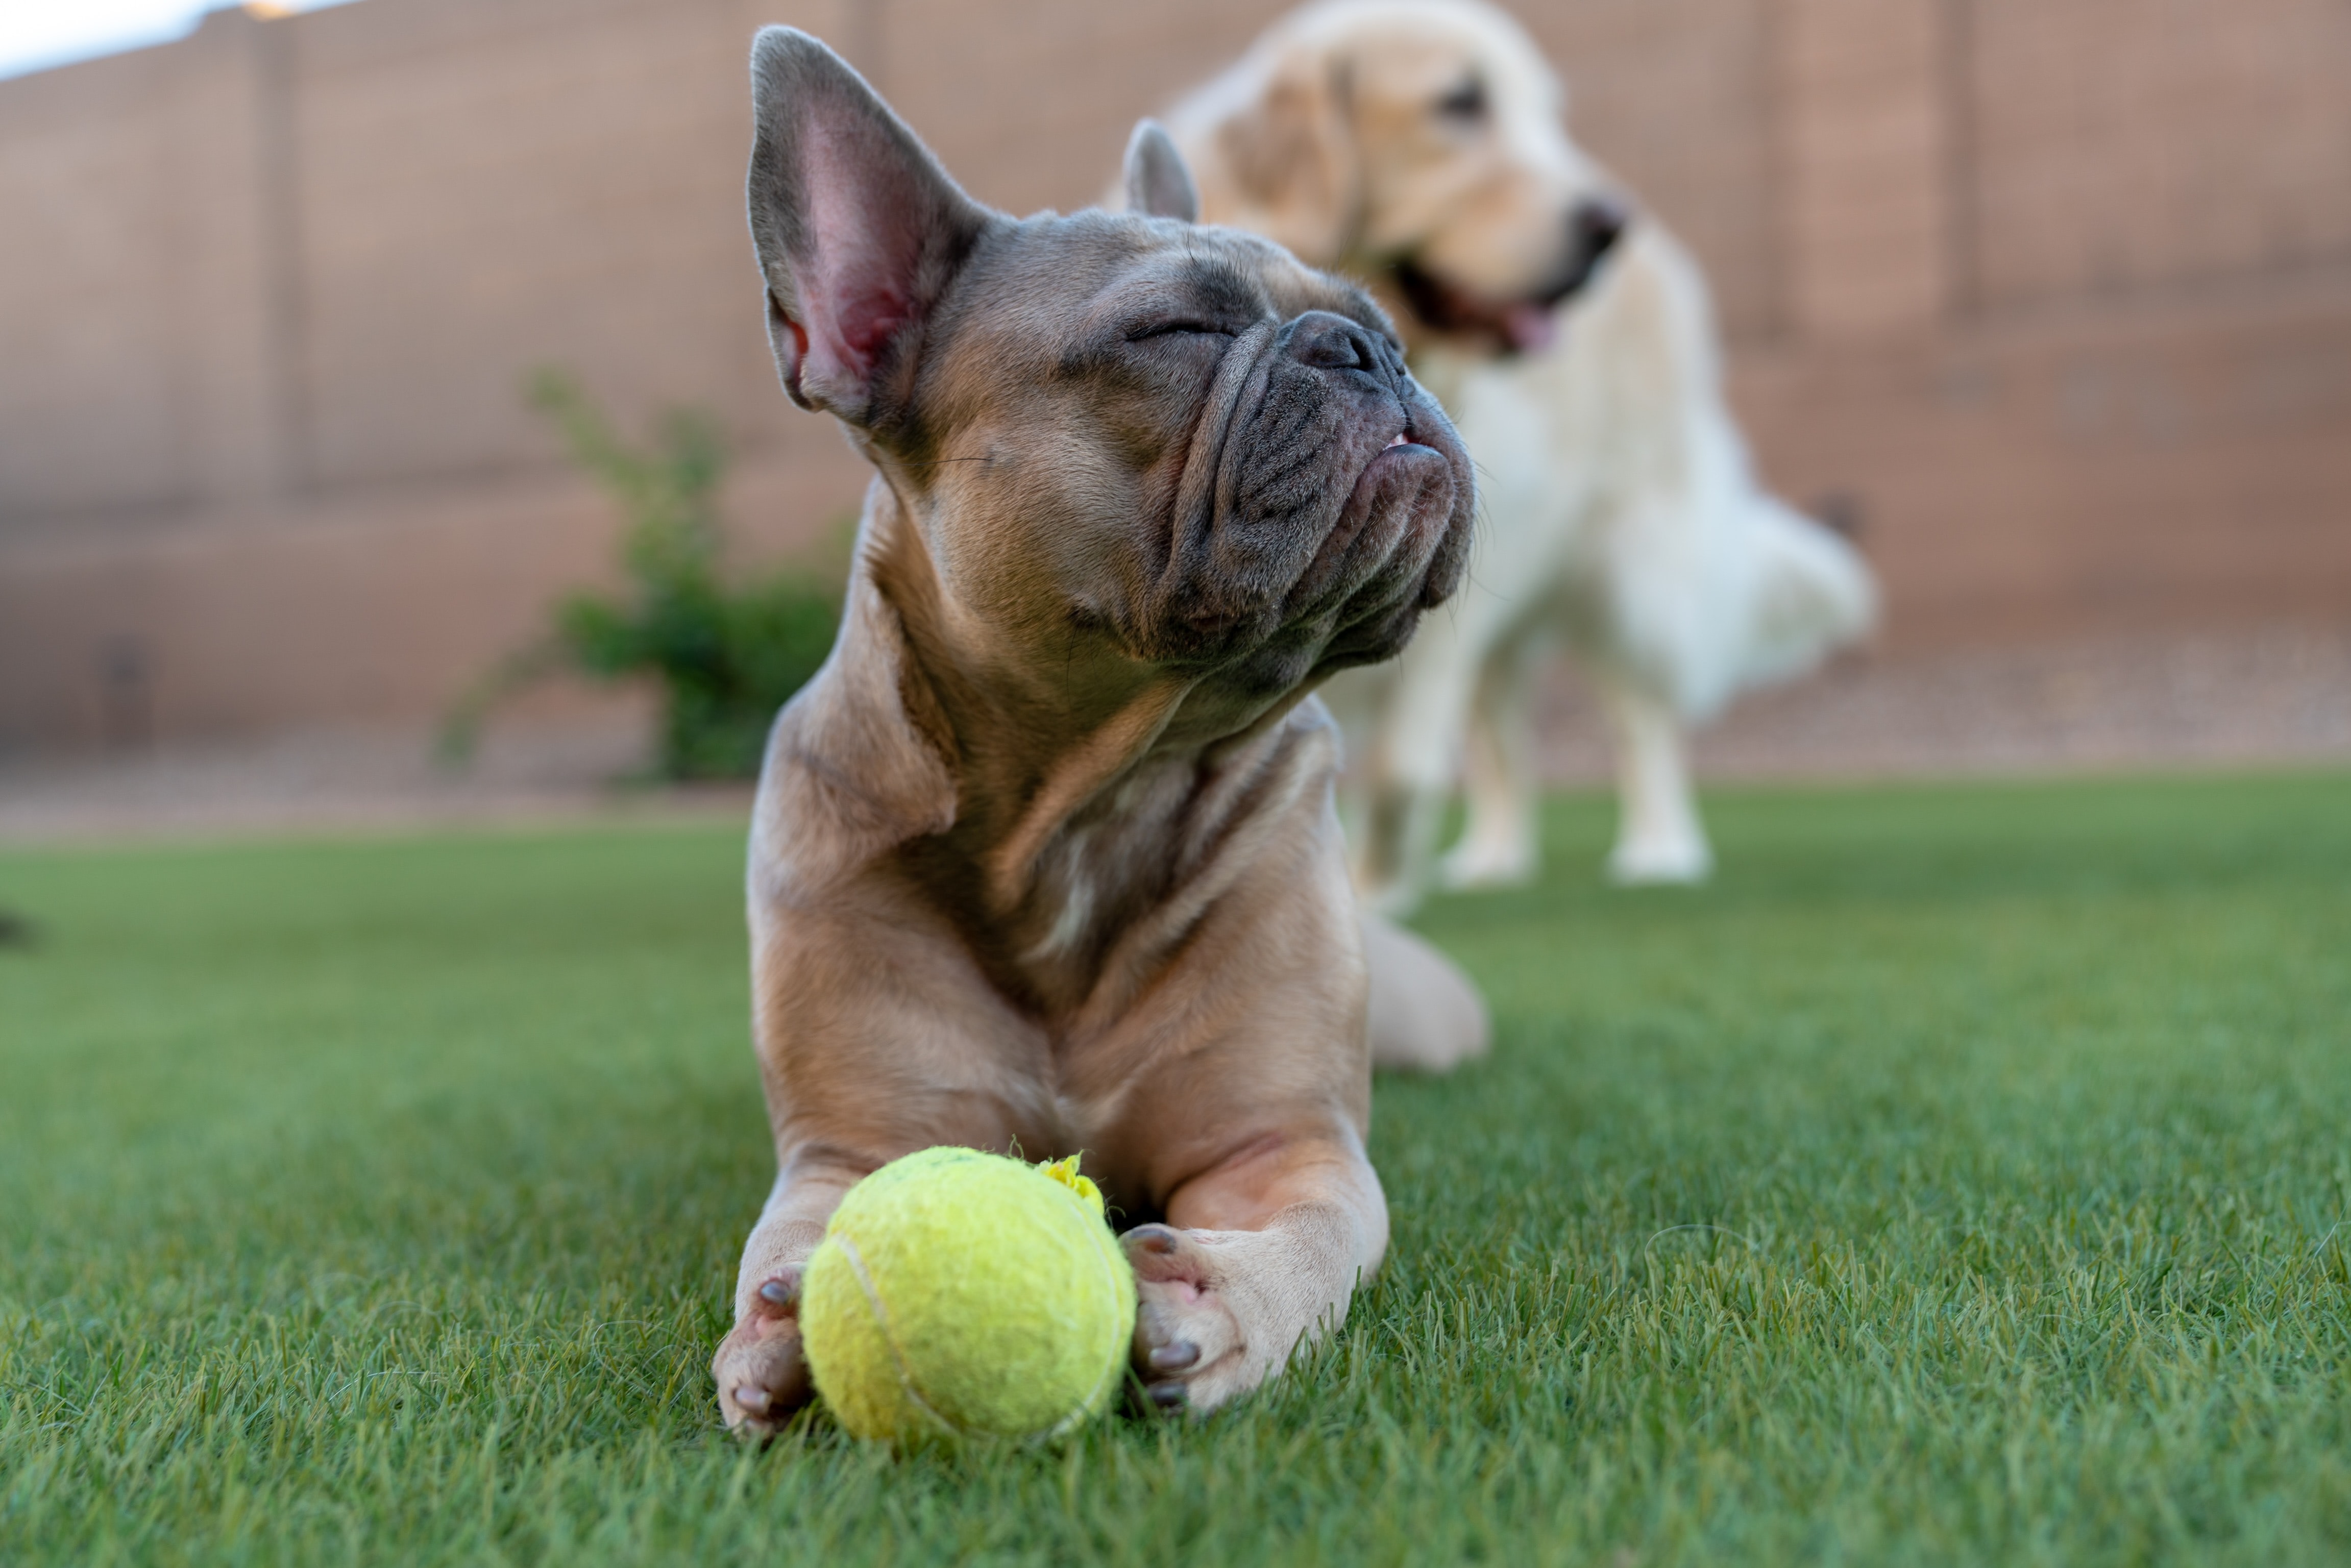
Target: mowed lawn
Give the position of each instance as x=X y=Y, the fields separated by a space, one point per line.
x=1964 y=1177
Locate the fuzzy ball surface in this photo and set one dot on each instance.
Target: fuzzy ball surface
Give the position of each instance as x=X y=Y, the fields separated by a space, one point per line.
x=958 y=1293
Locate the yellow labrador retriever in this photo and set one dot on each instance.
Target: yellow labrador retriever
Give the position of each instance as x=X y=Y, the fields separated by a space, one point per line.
x=1419 y=145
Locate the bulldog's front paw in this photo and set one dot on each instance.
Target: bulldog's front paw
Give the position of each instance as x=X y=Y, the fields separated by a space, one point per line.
x=762 y=1376
x=1190 y=1348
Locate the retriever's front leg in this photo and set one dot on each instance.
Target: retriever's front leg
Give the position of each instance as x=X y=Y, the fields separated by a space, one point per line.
x=1259 y=1256
x=1660 y=835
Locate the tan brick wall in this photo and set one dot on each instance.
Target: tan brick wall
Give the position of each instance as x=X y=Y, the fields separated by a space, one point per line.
x=2143 y=466
x=2059 y=291
x=490 y=187
x=1676 y=96
x=122 y=299
x=2123 y=146
x=1866 y=129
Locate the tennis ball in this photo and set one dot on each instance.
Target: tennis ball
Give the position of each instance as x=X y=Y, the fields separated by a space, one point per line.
x=958 y=1293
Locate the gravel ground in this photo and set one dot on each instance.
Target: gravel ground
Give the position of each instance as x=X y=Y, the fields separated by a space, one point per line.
x=2246 y=699
x=2278 y=696
x=346 y=780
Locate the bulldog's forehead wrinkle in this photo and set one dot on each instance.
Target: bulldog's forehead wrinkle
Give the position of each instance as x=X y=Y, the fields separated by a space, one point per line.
x=1226 y=289
x=1186 y=277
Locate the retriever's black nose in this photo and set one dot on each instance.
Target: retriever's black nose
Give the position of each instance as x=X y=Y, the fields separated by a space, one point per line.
x=1594 y=226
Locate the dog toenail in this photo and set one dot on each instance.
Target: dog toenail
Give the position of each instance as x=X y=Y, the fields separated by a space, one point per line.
x=753 y=1400
x=1175 y=1356
x=1156 y=1238
x=779 y=1293
x=1167 y=1396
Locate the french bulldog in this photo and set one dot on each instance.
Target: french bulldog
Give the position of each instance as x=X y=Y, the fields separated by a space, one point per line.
x=1045 y=859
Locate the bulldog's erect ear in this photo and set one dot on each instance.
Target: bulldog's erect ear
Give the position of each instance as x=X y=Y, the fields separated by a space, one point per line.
x=1157 y=183
x=858 y=229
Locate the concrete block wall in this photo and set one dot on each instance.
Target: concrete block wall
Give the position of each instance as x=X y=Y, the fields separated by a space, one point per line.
x=2053 y=295
x=2120 y=148
x=265 y=460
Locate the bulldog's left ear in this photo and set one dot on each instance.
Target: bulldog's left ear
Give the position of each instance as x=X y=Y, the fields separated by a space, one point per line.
x=1158 y=185
x=858 y=229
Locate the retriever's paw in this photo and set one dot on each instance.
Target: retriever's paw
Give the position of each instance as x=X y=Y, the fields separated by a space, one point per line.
x=1477 y=863
x=1661 y=860
x=761 y=1373
x=1190 y=1347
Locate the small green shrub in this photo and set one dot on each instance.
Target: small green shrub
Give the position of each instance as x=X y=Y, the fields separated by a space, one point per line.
x=726 y=654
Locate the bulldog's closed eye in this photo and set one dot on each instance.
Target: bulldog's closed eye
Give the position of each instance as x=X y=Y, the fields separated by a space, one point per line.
x=1174 y=329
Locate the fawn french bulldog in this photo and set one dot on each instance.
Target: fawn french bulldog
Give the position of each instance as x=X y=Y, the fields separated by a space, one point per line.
x=1045 y=856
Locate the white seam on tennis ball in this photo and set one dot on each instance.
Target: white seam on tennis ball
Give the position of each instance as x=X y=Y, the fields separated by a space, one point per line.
x=1117 y=1363
x=882 y=1321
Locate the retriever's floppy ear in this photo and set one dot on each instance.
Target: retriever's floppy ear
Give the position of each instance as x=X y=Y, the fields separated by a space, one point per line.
x=858 y=229
x=1157 y=183
x=1290 y=150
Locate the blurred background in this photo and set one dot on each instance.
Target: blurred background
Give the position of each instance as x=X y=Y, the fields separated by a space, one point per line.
x=2046 y=302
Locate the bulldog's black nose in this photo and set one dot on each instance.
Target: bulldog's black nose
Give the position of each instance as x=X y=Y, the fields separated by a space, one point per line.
x=1328 y=341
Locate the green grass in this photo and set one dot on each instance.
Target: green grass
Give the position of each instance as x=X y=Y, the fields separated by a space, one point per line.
x=1959 y=1180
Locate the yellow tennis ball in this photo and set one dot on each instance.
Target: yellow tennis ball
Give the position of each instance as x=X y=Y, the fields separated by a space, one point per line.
x=958 y=1293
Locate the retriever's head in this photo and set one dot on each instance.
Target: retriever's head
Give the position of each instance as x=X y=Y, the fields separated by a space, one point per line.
x=1418 y=144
